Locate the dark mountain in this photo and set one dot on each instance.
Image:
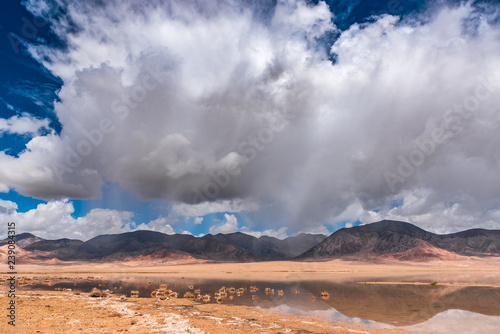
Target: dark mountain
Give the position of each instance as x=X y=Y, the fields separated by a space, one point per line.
x=470 y=242
x=60 y=248
x=271 y=248
x=209 y=248
x=265 y=249
x=394 y=237
x=383 y=240
x=22 y=239
x=141 y=243
x=52 y=245
x=130 y=242
x=234 y=247
x=294 y=246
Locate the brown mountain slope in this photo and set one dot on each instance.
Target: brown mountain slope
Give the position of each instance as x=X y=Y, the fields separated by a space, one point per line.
x=422 y=252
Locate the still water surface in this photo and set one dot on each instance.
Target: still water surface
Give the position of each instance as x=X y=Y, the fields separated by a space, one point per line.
x=418 y=308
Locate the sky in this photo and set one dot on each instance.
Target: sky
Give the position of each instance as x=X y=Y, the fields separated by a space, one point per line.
x=264 y=117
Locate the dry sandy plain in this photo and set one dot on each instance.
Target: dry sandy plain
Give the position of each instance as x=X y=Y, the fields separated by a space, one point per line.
x=66 y=312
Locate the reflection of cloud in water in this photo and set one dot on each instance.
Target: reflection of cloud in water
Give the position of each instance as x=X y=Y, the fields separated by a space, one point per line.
x=459 y=321
x=331 y=314
x=447 y=322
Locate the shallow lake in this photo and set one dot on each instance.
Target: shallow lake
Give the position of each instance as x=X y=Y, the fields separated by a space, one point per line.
x=418 y=308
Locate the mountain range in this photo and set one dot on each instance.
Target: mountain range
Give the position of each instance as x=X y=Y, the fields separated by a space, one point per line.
x=404 y=241
x=382 y=240
x=139 y=244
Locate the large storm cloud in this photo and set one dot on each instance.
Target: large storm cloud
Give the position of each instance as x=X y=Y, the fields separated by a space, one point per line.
x=201 y=101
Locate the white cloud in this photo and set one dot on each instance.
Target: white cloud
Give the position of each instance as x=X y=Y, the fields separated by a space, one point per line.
x=198 y=220
x=315 y=229
x=32 y=172
x=279 y=234
x=350 y=214
x=103 y=221
x=230 y=226
x=25 y=124
x=7 y=206
x=54 y=220
x=162 y=224
x=157 y=145
x=420 y=208
x=205 y=208
x=471 y=322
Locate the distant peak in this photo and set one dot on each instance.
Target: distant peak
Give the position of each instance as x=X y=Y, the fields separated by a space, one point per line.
x=25 y=235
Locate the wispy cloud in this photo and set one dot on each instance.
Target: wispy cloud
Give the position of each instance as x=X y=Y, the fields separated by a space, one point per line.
x=43 y=95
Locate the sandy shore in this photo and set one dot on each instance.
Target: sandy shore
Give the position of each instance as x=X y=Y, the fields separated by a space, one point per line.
x=64 y=312
x=279 y=270
x=435 y=284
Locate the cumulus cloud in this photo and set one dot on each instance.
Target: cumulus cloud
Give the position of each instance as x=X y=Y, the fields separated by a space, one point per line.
x=198 y=220
x=7 y=206
x=230 y=226
x=102 y=221
x=54 y=220
x=25 y=124
x=420 y=208
x=279 y=234
x=202 y=209
x=211 y=102
x=162 y=224
x=32 y=173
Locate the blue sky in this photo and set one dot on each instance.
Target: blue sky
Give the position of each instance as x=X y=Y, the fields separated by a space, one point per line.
x=273 y=118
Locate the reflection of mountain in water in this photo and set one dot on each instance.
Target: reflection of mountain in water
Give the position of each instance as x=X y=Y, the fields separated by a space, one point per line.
x=403 y=305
